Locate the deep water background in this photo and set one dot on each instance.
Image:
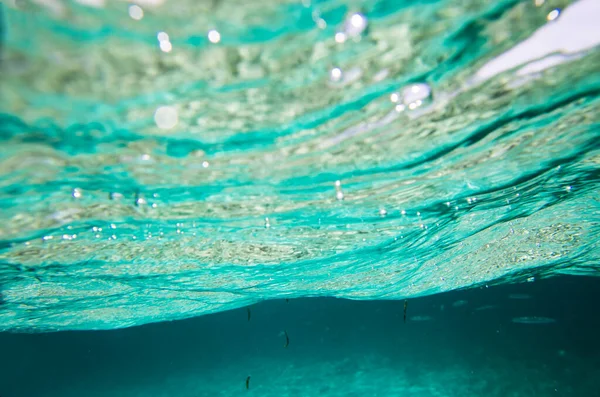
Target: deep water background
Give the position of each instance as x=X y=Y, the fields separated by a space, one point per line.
x=337 y=348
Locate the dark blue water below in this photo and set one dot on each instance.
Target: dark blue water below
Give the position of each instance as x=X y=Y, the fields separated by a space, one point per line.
x=462 y=343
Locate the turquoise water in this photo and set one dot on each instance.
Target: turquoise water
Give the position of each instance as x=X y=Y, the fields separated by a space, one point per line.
x=165 y=161
x=162 y=162
x=237 y=166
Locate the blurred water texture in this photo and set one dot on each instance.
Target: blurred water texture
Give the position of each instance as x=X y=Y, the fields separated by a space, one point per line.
x=167 y=160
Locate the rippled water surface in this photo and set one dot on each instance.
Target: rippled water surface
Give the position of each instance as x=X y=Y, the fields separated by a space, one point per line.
x=162 y=161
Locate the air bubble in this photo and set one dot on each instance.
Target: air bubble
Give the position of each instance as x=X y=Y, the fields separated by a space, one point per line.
x=136 y=12
x=339 y=195
x=166 y=117
x=335 y=74
x=354 y=25
x=214 y=36
x=115 y=196
x=414 y=95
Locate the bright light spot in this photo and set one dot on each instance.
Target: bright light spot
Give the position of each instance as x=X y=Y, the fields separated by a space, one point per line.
x=552 y=15
x=340 y=37
x=166 y=46
x=335 y=74
x=166 y=117
x=358 y=21
x=145 y=157
x=214 y=36
x=162 y=36
x=395 y=97
x=355 y=24
x=205 y=164
x=338 y=183
x=539 y=3
x=400 y=108
x=76 y=193
x=415 y=94
x=267 y=224
x=339 y=195
x=382 y=212
x=403 y=212
x=136 y=12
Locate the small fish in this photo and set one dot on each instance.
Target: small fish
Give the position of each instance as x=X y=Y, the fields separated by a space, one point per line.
x=249 y=313
x=247 y=383
x=533 y=320
x=519 y=296
x=287 y=339
x=459 y=303
x=485 y=307
x=420 y=319
x=405 y=307
x=287 y=300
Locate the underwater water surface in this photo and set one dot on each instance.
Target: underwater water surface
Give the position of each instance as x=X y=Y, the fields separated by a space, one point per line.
x=165 y=160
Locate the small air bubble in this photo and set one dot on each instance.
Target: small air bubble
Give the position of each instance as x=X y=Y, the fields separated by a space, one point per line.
x=414 y=95
x=136 y=12
x=166 y=117
x=335 y=74
x=115 y=196
x=141 y=201
x=552 y=15
x=354 y=25
x=214 y=36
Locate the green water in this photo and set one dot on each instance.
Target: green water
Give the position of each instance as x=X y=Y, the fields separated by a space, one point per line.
x=154 y=169
x=236 y=166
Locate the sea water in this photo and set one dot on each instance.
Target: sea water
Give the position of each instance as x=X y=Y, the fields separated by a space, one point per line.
x=165 y=160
